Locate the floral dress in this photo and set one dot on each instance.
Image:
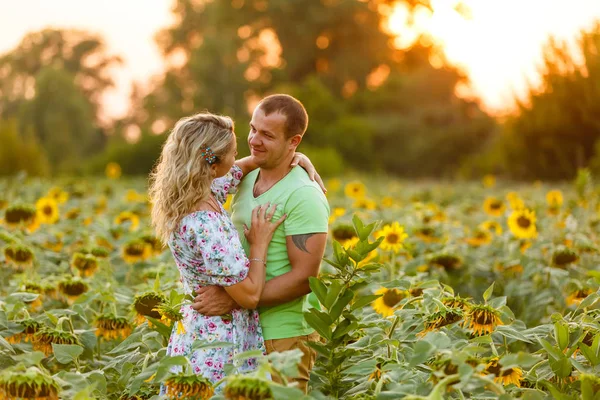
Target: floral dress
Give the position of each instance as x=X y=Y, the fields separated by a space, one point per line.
x=207 y=251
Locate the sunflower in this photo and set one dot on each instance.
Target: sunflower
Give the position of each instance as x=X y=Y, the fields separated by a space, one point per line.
x=22 y=216
x=355 y=190
x=136 y=251
x=113 y=170
x=86 y=264
x=155 y=244
x=393 y=237
x=45 y=337
x=578 y=296
x=227 y=204
x=72 y=288
x=554 y=198
x=442 y=318
x=247 y=387
x=480 y=238
x=336 y=213
x=31 y=383
x=58 y=195
x=365 y=204
x=386 y=304
x=482 y=319
x=489 y=181
x=109 y=326
x=515 y=201
x=448 y=261
x=522 y=224
x=491 y=226
x=19 y=257
x=54 y=243
x=505 y=376
x=193 y=387
x=457 y=302
x=127 y=217
x=145 y=304
x=427 y=234
x=343 y=233
x=132 y=196
x=494 y=206
x=562 y=257
x=73 y=213
x=333 y=185
x=47 y=210
x=30 y=327
x=100 y=205
x=509 y=270
x=387 y=202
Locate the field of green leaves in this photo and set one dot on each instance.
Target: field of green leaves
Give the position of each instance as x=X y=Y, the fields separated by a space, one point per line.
x=429 y=290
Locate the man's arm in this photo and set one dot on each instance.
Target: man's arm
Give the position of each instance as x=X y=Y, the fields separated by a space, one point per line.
x=246 y=165
x=305 y=253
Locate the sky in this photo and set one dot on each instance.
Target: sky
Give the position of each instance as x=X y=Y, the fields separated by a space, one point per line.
x=499 y=46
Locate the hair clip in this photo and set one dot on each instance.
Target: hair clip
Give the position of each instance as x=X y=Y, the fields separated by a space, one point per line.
x=208 y=155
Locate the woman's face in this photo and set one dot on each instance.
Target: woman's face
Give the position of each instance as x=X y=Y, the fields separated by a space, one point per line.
x=226 y=162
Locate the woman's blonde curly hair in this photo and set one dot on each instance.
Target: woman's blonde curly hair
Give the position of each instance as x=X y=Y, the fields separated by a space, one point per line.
x=182 y=177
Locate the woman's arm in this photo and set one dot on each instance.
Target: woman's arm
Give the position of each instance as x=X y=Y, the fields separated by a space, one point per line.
x=247 y=165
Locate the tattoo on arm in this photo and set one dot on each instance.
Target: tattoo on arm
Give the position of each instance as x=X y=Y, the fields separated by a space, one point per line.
x=300 y=241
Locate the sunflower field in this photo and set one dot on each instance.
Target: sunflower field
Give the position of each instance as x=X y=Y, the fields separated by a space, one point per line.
x=428 y=290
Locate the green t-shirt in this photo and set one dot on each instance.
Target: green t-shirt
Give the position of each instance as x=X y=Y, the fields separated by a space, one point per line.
x=307 y=212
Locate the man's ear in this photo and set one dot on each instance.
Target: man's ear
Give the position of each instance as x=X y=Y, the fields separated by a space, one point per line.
x=295 y=141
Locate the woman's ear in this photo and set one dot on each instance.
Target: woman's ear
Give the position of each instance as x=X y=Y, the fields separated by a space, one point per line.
x=213 y=171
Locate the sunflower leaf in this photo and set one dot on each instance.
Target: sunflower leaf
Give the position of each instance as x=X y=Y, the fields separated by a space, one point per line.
x=65 y=353
x=318 y=324
x=488 y=293
x=318 y=288
x=364 y=300
x=340 y=304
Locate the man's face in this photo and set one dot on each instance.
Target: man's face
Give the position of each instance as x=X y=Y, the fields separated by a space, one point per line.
x=268 y=144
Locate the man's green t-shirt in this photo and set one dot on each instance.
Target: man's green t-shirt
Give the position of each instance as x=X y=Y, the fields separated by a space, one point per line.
x=307 y=212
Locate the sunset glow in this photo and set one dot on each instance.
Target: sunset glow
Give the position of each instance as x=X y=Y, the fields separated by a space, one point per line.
x=497 y=43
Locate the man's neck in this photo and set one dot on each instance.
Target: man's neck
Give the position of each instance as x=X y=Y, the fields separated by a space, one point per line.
x=267 y=177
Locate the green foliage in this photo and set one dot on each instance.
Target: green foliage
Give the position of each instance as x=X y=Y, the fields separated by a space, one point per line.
x=61 y=118
x=20 y=152
x=135 y=159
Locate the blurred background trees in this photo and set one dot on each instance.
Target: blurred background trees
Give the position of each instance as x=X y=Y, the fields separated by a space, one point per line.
x=372 y=106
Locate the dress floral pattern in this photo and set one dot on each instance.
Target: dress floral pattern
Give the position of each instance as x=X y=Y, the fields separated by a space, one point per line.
x=207 y=251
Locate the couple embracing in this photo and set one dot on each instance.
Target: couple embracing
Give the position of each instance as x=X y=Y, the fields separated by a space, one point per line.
x=250 y=272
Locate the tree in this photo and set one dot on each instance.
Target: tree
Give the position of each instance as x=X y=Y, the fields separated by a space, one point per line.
x=80 y=54
x=20 y=152
x=61 y=119
x=555 y=130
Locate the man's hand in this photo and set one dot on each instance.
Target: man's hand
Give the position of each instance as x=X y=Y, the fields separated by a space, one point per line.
x=213 y=301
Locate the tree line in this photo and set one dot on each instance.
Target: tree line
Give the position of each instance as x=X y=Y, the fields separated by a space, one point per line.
x=372 y=106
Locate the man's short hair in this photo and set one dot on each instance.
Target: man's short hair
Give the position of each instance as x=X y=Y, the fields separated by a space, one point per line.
x=296 y=118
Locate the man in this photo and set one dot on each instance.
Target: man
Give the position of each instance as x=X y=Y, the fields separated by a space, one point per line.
x=295 y=252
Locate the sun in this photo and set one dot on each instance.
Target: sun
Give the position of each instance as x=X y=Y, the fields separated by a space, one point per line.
x=497 y=43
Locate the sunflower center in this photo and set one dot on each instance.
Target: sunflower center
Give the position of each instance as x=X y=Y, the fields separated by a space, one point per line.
x=392 y=297
x=393 y=238
x=496 y=205
x=483 y=317
x=47 y=210
x=135 y=250
x=523 y=222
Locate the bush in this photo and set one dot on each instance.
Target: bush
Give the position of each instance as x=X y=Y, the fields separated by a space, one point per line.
x=20 y=153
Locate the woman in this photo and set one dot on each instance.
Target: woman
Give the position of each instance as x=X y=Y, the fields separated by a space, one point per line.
x=196 y=171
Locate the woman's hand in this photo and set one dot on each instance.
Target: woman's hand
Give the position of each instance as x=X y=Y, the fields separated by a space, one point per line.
x=303 y=161
x=262 y=228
